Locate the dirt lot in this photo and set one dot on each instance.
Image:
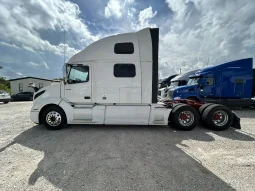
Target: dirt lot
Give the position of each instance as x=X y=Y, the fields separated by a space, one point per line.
x=123 y=157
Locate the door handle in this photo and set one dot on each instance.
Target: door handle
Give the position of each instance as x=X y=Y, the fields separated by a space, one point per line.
x=68 y=89
x=87 y=97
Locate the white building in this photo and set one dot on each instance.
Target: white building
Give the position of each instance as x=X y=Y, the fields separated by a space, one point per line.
x=22 y=84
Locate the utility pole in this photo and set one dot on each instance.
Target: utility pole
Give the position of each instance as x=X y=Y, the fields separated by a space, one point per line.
x=180 y=71
x=208 y=61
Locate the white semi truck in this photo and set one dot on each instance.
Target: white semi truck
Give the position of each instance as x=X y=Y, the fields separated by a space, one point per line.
x=115 y=81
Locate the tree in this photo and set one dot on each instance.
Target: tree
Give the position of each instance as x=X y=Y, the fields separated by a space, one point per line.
x=4 y=84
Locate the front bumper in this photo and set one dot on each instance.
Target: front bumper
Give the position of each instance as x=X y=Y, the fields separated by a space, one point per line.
x=34 y=116
x=5 y=99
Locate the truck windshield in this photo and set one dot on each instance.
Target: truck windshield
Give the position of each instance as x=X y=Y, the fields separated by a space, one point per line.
x=193 y=81
x=173 y=84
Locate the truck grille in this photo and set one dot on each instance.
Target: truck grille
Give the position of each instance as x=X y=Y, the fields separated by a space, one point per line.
x=170 y=94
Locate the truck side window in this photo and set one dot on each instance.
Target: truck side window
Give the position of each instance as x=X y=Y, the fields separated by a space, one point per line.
x=124 y=70
x=78 y=74
x=209 y=81
x=124 y=48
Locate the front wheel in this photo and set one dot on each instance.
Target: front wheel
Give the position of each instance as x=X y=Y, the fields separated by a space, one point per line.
x=54 y=118
x=5 y=102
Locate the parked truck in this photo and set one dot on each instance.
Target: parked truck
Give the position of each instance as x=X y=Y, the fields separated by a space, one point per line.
x=229 y=84
x=164 y=84
x=115 y=81
x=179 y=80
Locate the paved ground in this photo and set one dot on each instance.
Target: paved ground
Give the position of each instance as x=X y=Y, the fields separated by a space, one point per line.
x=123 y=157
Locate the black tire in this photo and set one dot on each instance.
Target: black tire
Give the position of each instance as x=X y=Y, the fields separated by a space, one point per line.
x=209 y=114
x=57 y=111
x=5 y=102
x=170 y=120
x=203 y=107
x=177 y=111
x=201 y=111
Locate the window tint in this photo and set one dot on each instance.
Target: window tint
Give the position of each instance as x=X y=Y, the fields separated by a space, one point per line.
x=124 y=70
x=21 y=87
x=79 y=74
x=209 y=81
x=124 y=48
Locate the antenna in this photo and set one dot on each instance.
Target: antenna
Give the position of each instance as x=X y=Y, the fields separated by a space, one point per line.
x=64 y=45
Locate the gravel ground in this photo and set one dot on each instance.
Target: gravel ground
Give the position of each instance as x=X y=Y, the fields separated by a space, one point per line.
x=123 y=157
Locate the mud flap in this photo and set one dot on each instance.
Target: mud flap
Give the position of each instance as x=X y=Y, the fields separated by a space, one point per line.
x=236 y=121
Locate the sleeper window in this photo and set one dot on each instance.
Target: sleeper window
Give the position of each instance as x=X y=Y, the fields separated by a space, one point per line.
x=239 y=81
x=79 y=74
x=124 y=70
x=124 y=48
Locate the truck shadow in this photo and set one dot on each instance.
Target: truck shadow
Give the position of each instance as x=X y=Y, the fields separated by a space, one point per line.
x=121 y=158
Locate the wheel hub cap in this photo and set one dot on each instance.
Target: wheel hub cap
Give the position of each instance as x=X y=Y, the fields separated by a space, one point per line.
x=220 y=118
x=186 y=118
x=53 y=118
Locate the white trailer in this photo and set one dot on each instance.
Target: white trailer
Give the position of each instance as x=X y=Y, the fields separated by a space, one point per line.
x=115 y=81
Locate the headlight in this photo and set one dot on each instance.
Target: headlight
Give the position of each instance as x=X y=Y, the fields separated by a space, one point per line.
x=176 y=98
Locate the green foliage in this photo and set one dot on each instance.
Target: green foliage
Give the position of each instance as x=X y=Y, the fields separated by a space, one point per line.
x=5 y=85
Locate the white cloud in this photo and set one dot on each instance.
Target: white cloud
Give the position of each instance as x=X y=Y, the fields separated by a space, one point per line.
x=145 y=16
x=202 y=30
x=9 y=45
x=113 y=9
x=20 y=22
x=38 y=65
x=18 y=73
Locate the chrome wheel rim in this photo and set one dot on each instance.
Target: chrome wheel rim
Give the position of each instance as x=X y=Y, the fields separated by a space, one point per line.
x=186 y=118
x=53 y=118
x=220 y=118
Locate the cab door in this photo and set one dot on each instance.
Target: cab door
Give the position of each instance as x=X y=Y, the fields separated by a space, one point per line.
x=77 y=90
x=208 y=87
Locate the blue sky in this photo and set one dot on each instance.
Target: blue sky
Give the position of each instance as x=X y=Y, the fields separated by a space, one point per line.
x=192 y=32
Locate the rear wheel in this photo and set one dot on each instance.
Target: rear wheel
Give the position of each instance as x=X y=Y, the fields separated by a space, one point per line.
x=201 y=111
x=173 y=108
x=203 y=107
x=184 y=117
x=217 y=117
x=5 y=102
x=54 y=118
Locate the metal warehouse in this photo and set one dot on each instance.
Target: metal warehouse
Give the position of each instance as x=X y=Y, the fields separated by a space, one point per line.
x=22 y=84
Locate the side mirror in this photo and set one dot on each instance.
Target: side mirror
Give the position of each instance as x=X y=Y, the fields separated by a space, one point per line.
x=65 y=80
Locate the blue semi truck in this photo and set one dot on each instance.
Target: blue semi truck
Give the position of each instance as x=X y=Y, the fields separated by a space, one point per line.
x=231 y=84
